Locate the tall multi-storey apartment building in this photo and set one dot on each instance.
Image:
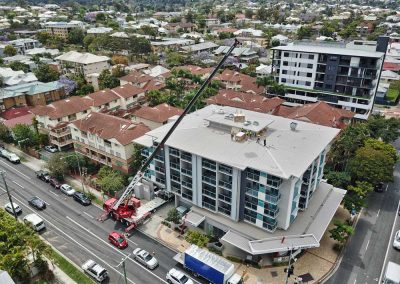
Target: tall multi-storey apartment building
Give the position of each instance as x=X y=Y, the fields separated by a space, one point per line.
x=345 y=77
x=62 y=29
x=247 y=174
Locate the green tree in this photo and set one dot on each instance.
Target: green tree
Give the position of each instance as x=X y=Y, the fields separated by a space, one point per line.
x=101 y=17
x=74 y=161
x=9 y=50
x=17 y=65
x=338 y=179
x=341 y=232
x=5 y=134
x=45 y=73
x=383 y=128
x=147 y=30
x=84 y=90
x=248 y=13
x=24 y=135
x=107 y=80
x=118 y=72
x=173 y=216
x=43 y=37
x=175 y=59
x=156 y=97
x=110 y=181
x=138 y=158
x=58 y=166
x=304 y=32
x=88 y=40
x=129 y=18
x=356 y=195
x=372 y=165
x=76 y=36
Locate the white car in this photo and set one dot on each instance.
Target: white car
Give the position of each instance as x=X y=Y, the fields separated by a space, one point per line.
x=175 y=276
x=51 y=148
x=67 y=189
x=10 y=156
x=9 y=209
x=396 y=241
x=95 y=270
x=145 y=258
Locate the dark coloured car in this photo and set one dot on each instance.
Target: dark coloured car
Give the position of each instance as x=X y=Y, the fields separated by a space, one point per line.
x=37 y=203
x=54 y=183
x=379 y=187
x=44 y=176
x=81 y=198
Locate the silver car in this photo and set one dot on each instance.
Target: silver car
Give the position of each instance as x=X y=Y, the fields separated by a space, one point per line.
x=145 y=258
x=96 y=271
x=67 y=189
x=9 y=209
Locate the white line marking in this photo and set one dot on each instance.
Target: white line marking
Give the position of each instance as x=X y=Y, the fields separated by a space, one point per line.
x=17 y=184
x=389 y=246
x=355 y=280
x=15 y=169
x=117 y=250
x=379 y=211
x=72 y=239
x=88 y=215
x=366 y=247
x=54 y=193
x=386 y=187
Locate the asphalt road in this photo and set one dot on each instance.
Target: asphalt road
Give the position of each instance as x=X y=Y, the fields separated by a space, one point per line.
x=365 y=253
x=75 y=232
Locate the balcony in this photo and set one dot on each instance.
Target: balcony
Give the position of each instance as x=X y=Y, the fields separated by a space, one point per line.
x=209 y=166
x=186 y=157
x=209 y=180
x=253 y=176
x=225 y=169
x=187 y=195
x=273 y=213
x=270 y=226
x=273 y=198
x=225 y=198
x=176 y=178
x=225 y=184
x=94 y=149
x=60 y=143
x=159 y=158
x=58 y=134
x=186 y=172
x=174 y=166
x=187 y=184
x=174 y=152
x=160 y=169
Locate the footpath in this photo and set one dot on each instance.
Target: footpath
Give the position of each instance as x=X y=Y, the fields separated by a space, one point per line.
x=317 y=264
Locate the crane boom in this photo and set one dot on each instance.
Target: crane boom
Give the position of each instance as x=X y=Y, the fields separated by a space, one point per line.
x=144 y=166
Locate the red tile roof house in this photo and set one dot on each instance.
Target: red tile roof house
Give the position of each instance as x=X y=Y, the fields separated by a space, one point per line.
x=135 y=78
x=156 y=116
x=239 y=82
x=245 y=101
x=14 y=116
x=106 y=139
x=318 y=113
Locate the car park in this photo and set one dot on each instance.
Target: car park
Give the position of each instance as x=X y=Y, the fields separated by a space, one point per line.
x=118 y=240
x=67 y=189
x=43 y=175
x=37 y=203
x=175 y=276
x=145 y=258
x=54 y=183
x=396 y=241
x=81 y=198
x=51 y=148
x=9 y=208
x=95 y=270
x=35 y=222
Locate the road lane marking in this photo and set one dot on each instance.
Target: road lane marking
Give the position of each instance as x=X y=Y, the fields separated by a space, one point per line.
x=117 y=250
x=15 y=169
x=88 y=215
x=386 y=187
x=390 y=240
x=72 y=239
x=17 y=184
x=54 y=193
x=379 y=211
x=366 y=247
x=355 y=280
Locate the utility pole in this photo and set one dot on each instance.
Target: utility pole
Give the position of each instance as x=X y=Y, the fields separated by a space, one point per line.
x=122 y=263
x=3 y=175
x=289 y=270
x=80 y=171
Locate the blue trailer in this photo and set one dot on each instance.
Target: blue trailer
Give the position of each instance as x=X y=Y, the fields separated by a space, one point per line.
x=210 y=266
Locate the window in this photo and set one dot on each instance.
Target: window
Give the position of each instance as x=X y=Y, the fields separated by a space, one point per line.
x=285 y=63
x=286 y=54
x=311 y=56
x=283 y=80
x=284 y=71
x=309 y=75
x=309 y=66
x=308 y=83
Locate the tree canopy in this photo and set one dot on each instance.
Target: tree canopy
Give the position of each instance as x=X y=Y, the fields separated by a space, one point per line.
x=107 y=80
x=9 y=50
x=45 y=73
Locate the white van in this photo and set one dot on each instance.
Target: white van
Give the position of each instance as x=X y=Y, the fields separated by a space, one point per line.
x=35 y=222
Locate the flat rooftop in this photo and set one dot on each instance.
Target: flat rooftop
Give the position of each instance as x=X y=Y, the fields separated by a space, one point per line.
x=305 y=232
x=287 y=152
x=330 y=50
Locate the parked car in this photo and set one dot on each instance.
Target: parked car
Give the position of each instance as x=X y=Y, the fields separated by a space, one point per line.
x=35 y=222
x=379 y=187
x=396 y=241
x=37 y=203
x=9 y=209
x=10 y=156
x=175 y=276
x=67 y=189
x=43 y=175
x=94 y=270
x=117 y=240
x=81 y=198
x=51 y=148
x=54 y=183
x=145 y=258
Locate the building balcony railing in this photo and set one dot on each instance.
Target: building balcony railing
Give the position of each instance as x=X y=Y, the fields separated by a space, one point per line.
x=209 y=166
x=174 y=165
x=187 y=184
x=159 y=158
x=225 y=184
x=186 y=172
x=94 y=149
x=60 y=143
x=186 y=157
x=58 y=134
x=225 y=197
x=209 y=180
x=253 y=176
x=274 y=199
x=174 y=152
x=160 y=169
x=273 y=213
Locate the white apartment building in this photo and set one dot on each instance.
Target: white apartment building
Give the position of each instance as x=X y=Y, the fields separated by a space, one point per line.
x=83 y=63
x=343 y=77
x=62 y=29
x=246 y=175
x=106 y=139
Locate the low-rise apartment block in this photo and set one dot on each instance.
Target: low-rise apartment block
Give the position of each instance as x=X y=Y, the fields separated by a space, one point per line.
x=106 y=139
x=246 y=176
x=344 y=77
x=156 y=116
x=82 y=63
x=62 y=29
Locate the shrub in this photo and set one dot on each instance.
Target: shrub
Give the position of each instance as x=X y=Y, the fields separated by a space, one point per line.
x=173 y=216
x=197 y=238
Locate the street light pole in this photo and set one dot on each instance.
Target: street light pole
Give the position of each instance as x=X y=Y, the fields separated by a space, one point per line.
x=80 y=172
x=289 y=266
x=122 y=263
x=9 y=195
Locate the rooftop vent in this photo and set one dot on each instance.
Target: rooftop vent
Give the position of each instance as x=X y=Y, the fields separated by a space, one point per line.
x=293 y=126
x=239 y=117
x=220 y=111
x=246 y=123
x=256 y=123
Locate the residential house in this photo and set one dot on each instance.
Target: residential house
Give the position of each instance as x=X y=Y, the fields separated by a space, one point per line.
x=233 y=80
x=82 y=63
x=22 y=45
x=256 y=36
x=242 y=54
x=170 y=44
x=196 y=70
x=106 y=139
x=129 y=95
x=135 y=78
x=210 y=22
x=246 y=176
x=11 y=77
x=31 y=94
x=156 y=116
x=389 y=76
x=200 y=47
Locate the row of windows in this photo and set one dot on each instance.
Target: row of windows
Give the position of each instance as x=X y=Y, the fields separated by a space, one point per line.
x=298 y=64
x=299 y=55
x=296 y=82
x=298 y=73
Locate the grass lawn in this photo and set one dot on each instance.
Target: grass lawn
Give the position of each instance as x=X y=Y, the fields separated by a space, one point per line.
x=392 y=95
x=76 y=274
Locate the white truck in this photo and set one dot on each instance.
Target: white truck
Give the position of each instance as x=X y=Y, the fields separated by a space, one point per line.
x=213 y=268
x=392 y=274
x=10 y=156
